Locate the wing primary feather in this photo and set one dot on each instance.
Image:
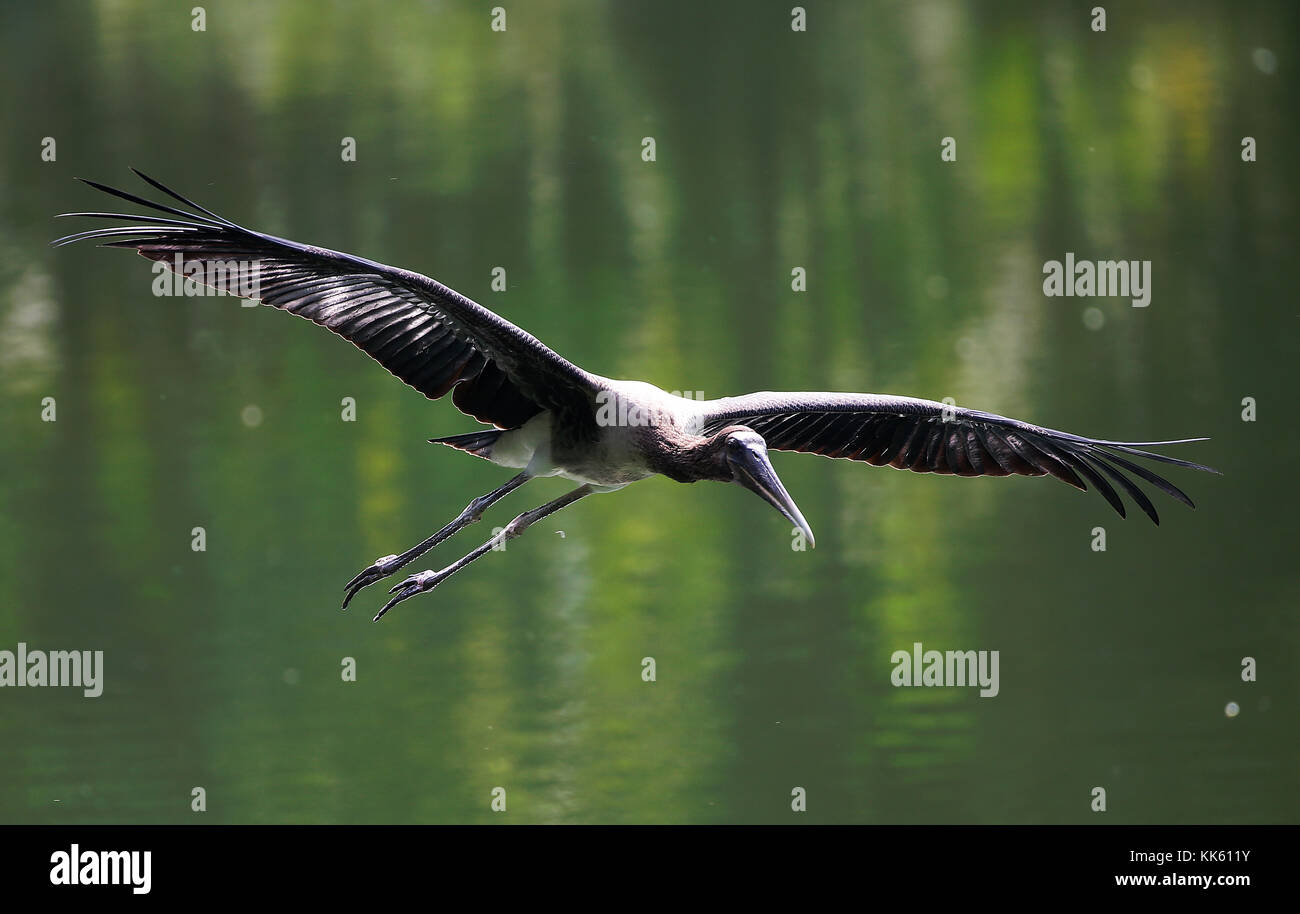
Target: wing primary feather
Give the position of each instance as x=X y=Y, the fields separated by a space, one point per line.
x=1099 y=482
x=1155 y=479
x=1128 y=485
x=145 y=230
x=1163 y=458
x=160 y=207
x=1053 y=462
x=175 y=196
x=157 y=220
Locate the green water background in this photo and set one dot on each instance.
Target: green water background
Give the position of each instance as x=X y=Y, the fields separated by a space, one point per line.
x=774 y=150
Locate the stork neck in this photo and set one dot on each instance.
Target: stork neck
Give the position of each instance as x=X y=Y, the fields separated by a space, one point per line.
x=683 y=457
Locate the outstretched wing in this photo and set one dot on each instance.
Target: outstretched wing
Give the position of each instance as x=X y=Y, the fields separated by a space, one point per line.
x=428 y=335
x=929 y=437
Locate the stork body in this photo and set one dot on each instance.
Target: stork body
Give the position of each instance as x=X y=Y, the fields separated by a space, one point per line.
x=552 y=418
x=637 y=427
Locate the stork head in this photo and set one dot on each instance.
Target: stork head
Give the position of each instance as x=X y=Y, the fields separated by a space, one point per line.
x=743 y=453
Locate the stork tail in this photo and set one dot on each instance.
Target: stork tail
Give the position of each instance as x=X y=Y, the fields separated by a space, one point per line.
x=477 y=443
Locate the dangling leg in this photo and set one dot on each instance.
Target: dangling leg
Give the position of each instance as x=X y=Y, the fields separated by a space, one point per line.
x=425 y=581
x=388 y=564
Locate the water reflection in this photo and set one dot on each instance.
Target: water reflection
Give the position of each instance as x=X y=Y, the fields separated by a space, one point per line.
x=774 y=151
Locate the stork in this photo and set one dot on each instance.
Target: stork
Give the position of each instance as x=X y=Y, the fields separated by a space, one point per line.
x=551 y=418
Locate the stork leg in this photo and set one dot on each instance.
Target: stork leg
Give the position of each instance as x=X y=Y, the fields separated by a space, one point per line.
x=386 y=565
x=424 y=581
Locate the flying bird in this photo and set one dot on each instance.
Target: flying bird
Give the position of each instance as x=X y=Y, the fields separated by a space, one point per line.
x=549 y=417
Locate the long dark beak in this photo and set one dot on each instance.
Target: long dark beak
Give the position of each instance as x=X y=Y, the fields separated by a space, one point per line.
x=753 y=470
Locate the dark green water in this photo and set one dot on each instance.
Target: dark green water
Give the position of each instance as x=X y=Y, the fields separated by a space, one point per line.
x=774 y=150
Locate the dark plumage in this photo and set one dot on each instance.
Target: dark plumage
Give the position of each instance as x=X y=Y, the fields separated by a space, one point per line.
x=925 y=436
x=431 y=337
x=550 y=415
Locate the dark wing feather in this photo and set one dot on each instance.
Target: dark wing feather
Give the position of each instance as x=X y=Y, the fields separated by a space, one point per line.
x=929 y=437
x=428 y=335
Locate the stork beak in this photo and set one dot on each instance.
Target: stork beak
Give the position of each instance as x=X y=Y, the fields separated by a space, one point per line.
x=753 y=470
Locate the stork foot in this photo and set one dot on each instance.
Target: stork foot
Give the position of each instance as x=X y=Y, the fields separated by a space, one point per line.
x=380 y=569
x=418 y=583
